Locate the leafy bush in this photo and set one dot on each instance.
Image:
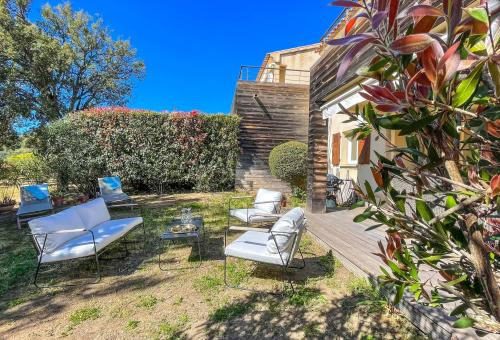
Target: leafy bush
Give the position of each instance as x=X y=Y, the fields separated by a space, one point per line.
x=439 y=196
x=288 y=162
x=27 y=167
x=148 y=150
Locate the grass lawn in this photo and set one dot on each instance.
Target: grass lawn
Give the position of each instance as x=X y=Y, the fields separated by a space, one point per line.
x=135 y=299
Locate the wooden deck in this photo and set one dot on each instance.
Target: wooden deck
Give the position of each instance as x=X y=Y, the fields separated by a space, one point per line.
x=354 y=247
x=348 y=240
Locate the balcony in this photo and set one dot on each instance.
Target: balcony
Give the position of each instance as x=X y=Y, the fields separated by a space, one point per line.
x=278 y=75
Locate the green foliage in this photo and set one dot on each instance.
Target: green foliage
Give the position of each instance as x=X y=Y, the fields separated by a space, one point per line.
x=148 y=150
x=305 y=296
x=329 y=263
x=27 y=167
x=207 y=284
x=231 y=311
x=84 y=314
x=439 y=194
x=132 y=324
x=148 y=301
x=65 y=61
x=288 y=162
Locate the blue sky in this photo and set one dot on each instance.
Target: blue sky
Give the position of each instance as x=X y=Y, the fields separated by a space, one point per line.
x=193 y=49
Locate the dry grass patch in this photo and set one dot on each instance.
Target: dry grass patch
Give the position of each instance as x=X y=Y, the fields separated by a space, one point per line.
x=136 y=300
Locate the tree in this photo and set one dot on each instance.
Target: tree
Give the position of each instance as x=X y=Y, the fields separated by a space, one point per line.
x=66 y=62
x=441 y=92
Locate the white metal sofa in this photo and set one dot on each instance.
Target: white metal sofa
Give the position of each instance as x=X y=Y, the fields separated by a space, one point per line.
x=276 y=246
x=81 y=231
x=110 y=189
x=266 y=208
x=35 y=200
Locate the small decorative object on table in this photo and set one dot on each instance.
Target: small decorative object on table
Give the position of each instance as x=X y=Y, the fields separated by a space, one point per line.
x=179 y=230
x=183 y=228
x=186 y=216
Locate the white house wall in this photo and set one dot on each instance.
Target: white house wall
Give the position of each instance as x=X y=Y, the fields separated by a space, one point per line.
x=357 y=172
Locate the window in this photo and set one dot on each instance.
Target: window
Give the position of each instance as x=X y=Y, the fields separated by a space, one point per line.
x=352 y=150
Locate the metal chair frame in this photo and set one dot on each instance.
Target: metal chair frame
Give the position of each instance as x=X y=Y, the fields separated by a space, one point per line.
x=95 y=255
x=285 y=266
x=248 y=219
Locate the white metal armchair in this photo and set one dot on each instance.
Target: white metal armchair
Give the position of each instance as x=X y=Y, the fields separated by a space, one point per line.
x=110 y=189
x=274 y=247
x=35 y=201
x=266 y=207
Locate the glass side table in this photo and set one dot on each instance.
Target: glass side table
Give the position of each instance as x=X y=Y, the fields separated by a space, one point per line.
x=169 y=237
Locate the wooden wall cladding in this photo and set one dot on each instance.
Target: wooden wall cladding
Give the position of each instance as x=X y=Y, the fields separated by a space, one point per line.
x=271 y=114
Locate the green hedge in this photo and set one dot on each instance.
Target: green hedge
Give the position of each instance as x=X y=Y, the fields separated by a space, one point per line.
x=148 y=150
x=288 y=162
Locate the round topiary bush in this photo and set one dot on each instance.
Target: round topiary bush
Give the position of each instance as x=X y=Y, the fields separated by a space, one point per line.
x=288 y=162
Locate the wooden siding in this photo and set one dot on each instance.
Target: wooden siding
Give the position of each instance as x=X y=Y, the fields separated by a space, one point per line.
x=271 y=114
x=324 y=87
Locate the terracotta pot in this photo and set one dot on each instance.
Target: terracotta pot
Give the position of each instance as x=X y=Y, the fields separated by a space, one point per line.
x=58 y=200
x=83 y=198
x=6 y=208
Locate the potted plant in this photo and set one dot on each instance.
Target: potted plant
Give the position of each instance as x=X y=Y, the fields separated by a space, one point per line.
x=7 y=202
x=83 y=198
x=58 y=197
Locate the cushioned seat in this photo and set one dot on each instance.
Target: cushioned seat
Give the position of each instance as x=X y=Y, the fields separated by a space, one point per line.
x=266 y=202
x=82 y=245
x=251 y=215
x=35 y=200
x=115 y=197
x=252 y=245
x=34 y=207
x=110 y=189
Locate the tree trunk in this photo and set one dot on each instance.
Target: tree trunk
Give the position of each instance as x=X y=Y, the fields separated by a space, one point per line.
x=480 y=257
x=482 y=265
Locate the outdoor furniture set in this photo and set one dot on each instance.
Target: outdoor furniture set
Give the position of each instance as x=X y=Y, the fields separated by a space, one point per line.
x=87 y=230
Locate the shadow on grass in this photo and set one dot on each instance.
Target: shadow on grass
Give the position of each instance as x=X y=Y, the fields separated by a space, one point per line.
x=264 y=316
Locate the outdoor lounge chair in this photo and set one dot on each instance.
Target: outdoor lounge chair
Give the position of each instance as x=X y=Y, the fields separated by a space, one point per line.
x=110 y=189
x=81 y=231
x=274 y=247
x=266 y=208
x=35 y=200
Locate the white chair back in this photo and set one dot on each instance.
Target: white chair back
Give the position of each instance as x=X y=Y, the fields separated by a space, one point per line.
x=110 y=185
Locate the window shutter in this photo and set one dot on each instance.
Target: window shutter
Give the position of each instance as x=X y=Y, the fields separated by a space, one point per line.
x=336 y=149
x=364 y=150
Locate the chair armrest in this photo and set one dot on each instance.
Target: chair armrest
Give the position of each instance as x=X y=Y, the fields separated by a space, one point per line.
x=238 y=228
x=259 y=202
x=62 y=232
x=239 y=197
x=234 y=198
x=266 y=214
x=283 y=232
x=42 y=248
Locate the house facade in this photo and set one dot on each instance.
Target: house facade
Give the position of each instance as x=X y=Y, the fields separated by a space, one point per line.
x=272 y=101
x=285 y=66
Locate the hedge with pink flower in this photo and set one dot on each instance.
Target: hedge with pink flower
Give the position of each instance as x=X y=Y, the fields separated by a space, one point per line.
x=151 y=151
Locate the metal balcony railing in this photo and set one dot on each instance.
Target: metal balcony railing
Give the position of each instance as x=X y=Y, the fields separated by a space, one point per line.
x=280 y=75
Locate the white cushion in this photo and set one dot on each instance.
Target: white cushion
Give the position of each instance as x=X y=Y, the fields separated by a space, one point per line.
x=115 y=197
x=93 y=212
x=252 y=246
x=250 y=216
x=272 y=197
x=68 y=219
x=82 y=246
x=289 y=224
